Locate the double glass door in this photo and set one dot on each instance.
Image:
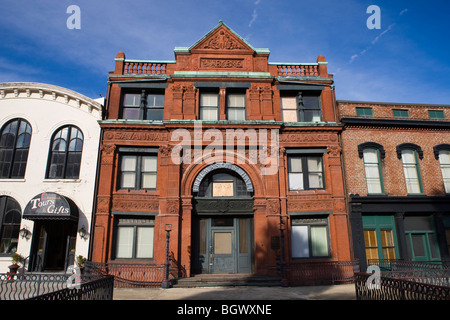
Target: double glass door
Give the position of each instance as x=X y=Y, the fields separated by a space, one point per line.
x=223 y=245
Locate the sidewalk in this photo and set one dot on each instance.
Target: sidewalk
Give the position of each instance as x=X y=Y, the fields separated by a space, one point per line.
x=335 y=292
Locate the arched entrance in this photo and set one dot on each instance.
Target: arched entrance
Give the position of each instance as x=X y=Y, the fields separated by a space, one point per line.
x=222 y=228
x=55 y=225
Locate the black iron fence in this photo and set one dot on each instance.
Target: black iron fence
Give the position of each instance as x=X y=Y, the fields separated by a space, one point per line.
x=399 y=264
x=91 y=288
x=55 y=286
x=387 y=288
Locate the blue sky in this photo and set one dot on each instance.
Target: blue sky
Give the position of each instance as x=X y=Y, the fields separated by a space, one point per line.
x=406 y=60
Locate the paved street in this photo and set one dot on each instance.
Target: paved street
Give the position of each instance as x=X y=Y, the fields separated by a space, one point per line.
x=336 y=292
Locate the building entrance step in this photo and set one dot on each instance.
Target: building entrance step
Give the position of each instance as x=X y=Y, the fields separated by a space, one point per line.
x=226 y=280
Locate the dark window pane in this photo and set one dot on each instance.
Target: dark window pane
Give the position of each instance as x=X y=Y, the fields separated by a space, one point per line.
x=73 y=165
x=10 y=225
x=418 y=247
x=155 y=114
x=310 y=102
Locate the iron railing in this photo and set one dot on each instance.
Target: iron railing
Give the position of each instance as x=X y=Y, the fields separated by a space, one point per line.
x=128 y=275
x=399 y=264
x=34 y=286
x=321 y=273
x=387 y=288
x=91 y=288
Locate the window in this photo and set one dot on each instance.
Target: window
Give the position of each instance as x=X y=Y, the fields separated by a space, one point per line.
x=309 y=238
x=411 y=171
x=289 y=109
x=138 y=171
x=436 y=114
x=143 y=106
x=444 y=160
x=131 y=106
x=370 y=241
x=400 y=113
x=421 y=239
x=134 y=238
x=373 y=171
x=209 y=106
x=10 y=217
x=223 y=184
x=302 y=107
x=387 y=244
x=379 y=238
x=65 y=153
x=372 y=247
x=14 y=146
x=305 y=172
x=364 y=112
x=236 y=106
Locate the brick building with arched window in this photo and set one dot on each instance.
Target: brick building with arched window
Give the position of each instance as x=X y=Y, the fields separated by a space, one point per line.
x=237 y=157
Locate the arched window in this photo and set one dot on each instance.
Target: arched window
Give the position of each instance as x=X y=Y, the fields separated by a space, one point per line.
x=223 y=184
x=442 y=153
x=410 y=154
x=65 y=153
x=10 y=217
x=372 y=153
x=14 y=145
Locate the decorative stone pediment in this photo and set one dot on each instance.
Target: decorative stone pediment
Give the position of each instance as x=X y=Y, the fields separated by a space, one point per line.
x=222 y=39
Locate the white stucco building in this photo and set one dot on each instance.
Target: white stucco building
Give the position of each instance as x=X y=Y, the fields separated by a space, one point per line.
x=49 y=140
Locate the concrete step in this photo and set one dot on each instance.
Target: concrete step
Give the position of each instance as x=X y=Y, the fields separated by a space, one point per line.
x=226 y=280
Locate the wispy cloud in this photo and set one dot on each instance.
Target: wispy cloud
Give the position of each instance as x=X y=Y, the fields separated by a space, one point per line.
x=375 y=40
x=383 y=33
x=254 y=17
x=254 y=14
x=357 y=55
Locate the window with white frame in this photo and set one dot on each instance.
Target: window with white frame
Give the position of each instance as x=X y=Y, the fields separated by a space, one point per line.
x=372 y=170
x=309 y=238
x=134 y=238
x=236 y=106
x=411 y=171
x=138 y=171
x=444 y=160
x=305 y=172
x=209 y=106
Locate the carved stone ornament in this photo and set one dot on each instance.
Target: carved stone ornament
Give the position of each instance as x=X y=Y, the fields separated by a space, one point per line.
x=134 y=203
x=223 y=41
x=334 y=151
x=322 y=205
x=108 y=149
x=273 y=206
x=165 y=150
x=172 y=206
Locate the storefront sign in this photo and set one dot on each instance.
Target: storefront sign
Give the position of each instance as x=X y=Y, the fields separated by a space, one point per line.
x=49 y=205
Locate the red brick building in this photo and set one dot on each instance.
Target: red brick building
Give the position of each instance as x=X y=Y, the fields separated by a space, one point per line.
x=238 y=157
x=396 y=163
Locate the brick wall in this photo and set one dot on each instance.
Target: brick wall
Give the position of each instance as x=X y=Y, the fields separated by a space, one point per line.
x=389 y=138
x=384 y=111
